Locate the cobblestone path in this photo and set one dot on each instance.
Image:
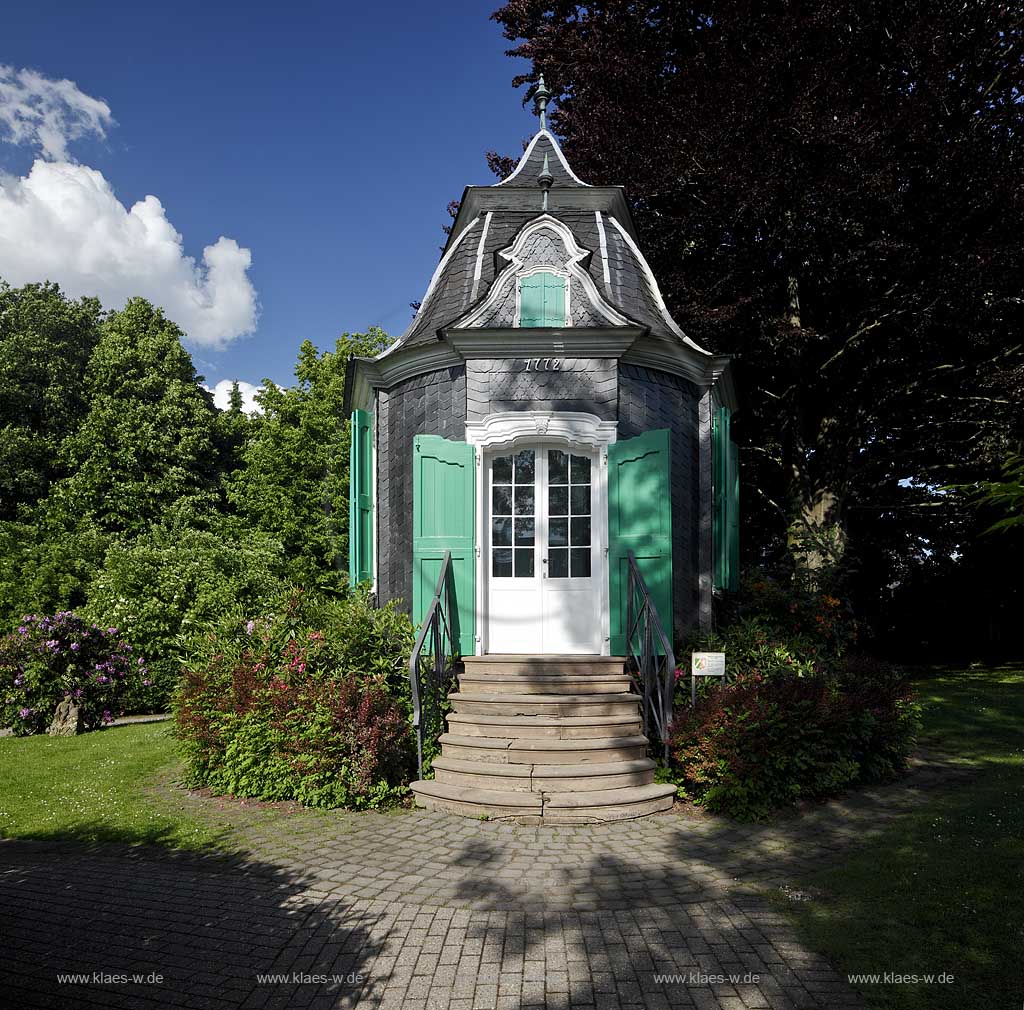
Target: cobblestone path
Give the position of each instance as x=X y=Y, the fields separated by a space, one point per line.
x=421 y=910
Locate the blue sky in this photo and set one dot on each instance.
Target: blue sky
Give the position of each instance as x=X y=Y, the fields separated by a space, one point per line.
x=325 y=138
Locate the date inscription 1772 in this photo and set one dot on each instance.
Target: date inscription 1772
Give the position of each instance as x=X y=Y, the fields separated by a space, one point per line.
x=542 y=365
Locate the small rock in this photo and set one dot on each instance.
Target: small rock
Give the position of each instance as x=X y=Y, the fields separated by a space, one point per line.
x=67 y=720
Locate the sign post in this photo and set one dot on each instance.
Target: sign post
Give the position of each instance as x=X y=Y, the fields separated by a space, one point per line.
x=705 y=664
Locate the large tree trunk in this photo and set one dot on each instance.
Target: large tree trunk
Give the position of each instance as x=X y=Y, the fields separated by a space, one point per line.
x=816 y=536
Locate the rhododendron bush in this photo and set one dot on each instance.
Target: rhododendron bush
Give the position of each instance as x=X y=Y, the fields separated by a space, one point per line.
x=48 y=659
x=309 y=704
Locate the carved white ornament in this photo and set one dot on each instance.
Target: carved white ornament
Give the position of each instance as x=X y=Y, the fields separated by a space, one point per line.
x=570 y=428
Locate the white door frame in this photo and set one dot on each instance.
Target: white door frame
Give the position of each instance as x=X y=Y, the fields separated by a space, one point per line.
x=572 y=430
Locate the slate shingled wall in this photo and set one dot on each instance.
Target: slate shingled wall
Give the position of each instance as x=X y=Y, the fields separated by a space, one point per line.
x=431 y=404
x=649 y=400
x=580 y=384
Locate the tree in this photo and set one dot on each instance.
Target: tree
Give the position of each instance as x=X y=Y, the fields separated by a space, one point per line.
x=146 y=450
x=293 y=484
x=45 y=343
x=831 y=191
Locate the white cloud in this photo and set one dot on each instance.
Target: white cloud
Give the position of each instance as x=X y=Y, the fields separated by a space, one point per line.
x=222 y=395
x=63 y=222
x=47 y=114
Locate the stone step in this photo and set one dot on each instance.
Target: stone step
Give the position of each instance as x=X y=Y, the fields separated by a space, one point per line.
x=571 y=705
x=544 y=726
x=607 y=804
x=536 y=808
x=541 y=778
x=502 y=665
x=523 y=807
x=541 y=751
x=543 y=683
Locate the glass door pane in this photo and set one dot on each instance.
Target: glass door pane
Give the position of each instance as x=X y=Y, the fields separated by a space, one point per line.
x=568 y=511
x=513 y=515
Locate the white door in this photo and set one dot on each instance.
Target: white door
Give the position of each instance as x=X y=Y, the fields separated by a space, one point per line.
x=543 y=565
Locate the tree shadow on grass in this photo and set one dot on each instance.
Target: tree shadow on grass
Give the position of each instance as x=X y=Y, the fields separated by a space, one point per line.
x=207 y=924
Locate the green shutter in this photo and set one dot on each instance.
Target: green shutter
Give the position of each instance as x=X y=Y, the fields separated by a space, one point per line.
x=733 y=533
x=640 y=520
x=542 y=300
x=725 y=483
x=554 y=300
x=444 y=519
x=360 y=500
x=531 y=300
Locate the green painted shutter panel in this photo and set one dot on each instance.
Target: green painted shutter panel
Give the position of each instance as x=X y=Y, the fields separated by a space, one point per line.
x=554 y=300
x=360 y=499
x=640 y=520
x=444 y=519
x=542 y=300
x=725 y=481
x=733 y=534
x=719 y=470
x=531 y=300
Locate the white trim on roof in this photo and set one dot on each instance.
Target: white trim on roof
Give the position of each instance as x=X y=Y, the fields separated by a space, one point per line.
x=445 y=259
x=529 y=150
x=604 y=251
x=655 y=291
x=516 y=266
x=479 y=268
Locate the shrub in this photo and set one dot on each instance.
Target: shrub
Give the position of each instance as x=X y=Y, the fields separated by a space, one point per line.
x=170 y=584
x=763 y=742
x=888 y=715
x=306 y=704
x=776 y=630
x=48 y=659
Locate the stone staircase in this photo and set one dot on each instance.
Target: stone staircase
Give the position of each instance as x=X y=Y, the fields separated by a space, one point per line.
x=544 y=739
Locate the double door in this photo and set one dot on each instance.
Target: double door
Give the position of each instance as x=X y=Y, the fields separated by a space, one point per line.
x=543 y=568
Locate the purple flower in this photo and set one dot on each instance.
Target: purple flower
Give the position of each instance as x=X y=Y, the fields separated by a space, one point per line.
x=75 y=647
x=107 y=717
x=19 y=680
x=141 y=661
x=78 y=692
x=250 y=627
x=23 y=630
x=100 y=679
x=25 y=712
x=52 y=644
x=147 y=683
x=111 y=631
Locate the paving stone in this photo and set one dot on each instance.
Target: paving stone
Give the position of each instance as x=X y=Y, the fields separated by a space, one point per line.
x=432 y=910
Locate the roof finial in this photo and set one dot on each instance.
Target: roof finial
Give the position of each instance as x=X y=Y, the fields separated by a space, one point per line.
x=540 y=102
x=544 y=180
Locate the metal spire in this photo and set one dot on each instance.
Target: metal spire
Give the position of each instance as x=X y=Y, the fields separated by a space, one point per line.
x=540 y=102
x=544 y=180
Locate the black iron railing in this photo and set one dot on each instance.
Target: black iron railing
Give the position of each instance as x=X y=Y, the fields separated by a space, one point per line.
x=649 y=657
x=431 y=670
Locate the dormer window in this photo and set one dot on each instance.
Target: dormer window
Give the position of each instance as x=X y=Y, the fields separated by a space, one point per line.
x=542 y=299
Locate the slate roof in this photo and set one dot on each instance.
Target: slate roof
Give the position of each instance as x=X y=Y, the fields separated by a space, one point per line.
x=500 y=211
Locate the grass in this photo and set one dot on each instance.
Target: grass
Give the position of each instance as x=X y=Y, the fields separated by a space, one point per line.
x=941 y=890
x=91 y=788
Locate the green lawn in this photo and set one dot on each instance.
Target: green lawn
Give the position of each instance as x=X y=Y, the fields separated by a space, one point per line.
x=92 y=788
x=943 y=889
